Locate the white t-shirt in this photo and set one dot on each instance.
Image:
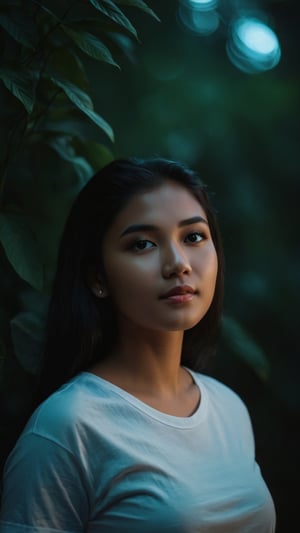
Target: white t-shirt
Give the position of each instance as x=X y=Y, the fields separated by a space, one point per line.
x=95 y=459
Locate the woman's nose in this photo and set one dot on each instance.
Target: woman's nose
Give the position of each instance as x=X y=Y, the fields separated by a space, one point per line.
x=175 y=263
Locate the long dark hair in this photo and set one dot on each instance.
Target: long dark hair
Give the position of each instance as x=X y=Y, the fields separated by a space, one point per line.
x=81 y=328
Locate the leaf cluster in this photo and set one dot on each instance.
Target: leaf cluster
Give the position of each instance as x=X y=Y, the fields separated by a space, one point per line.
x=52 y=140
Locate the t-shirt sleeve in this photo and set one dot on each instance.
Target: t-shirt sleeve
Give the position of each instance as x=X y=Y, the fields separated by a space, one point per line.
x=43 y=490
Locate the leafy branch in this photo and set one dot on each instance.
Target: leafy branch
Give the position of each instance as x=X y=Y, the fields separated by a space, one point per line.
x=52 y=140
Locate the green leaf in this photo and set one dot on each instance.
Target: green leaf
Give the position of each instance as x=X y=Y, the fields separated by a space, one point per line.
x=97 y=154
x=89 y=44
x=110 y=10
x=140 y=4
x=82 y=100
x=27 y=331
x=21 y=84
x=19 y=26
x=240 y=342
x=64 y=63
x=21 y=248
x=62 y=147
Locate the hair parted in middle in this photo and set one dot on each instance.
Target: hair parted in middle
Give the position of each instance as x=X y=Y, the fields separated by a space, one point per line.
x=81 y=328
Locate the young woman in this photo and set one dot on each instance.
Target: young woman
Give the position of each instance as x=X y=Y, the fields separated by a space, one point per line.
x=129 y=435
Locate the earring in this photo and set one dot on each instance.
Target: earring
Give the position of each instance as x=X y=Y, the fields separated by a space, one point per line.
x=100 y=292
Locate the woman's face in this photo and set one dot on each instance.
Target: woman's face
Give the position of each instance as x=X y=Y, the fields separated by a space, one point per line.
x=160 y=261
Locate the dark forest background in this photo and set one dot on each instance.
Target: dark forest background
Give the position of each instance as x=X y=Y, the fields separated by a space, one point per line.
x=78 y=88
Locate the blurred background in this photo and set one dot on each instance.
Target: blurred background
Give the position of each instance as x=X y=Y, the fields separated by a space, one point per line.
x=215 y=84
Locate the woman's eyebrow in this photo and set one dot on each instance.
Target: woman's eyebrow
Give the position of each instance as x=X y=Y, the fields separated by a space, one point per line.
x=192 y=220
x=135 y=228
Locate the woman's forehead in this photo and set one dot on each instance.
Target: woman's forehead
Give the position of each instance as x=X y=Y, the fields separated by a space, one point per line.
x=169 y=202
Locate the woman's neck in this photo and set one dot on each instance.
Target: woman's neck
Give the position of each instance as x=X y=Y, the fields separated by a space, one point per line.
x=145 y=361
x=148 y=367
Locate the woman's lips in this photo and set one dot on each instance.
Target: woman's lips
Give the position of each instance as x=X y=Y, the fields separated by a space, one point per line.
x=180 y=294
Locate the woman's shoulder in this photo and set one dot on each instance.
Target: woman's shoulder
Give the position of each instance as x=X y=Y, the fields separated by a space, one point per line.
x=218 y=391
x=226 y=408
x=64 y=411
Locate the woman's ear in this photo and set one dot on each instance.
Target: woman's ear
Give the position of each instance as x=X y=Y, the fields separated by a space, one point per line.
x=96 y=285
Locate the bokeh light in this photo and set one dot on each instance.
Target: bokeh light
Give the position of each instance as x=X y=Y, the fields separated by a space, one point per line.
x=252 y=45
x=199 y=16
x=202 y=4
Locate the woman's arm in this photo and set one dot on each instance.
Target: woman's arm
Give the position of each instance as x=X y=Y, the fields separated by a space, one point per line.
x=44 y=489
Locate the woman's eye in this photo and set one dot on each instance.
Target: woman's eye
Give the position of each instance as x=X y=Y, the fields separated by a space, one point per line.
x=194 y=237
x=142 y=244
